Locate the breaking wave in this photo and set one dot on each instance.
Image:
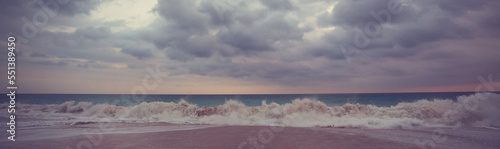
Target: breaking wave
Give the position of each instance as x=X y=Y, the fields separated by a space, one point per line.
x=478 y=110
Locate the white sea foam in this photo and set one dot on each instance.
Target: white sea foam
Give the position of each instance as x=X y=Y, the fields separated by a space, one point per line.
x=478 y=110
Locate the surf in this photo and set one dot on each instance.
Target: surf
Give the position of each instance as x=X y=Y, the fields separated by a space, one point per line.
x=477 y=110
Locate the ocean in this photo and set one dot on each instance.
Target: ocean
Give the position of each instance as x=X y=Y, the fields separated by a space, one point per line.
x=376 y=99
x=370 y=110
x=380 y=120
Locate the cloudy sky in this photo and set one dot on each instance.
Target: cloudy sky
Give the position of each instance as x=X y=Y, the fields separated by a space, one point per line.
x=253 y=46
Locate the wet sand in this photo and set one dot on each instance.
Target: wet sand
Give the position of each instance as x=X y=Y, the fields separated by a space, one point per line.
x=159 y=136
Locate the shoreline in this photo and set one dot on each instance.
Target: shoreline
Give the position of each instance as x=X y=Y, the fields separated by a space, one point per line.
x=165 y=135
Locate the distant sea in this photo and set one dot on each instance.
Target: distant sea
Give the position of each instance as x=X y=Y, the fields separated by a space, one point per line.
x=370 y=110
x=377 y=99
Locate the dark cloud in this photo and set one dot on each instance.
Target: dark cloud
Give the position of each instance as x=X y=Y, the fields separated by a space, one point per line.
x=419 y=22
x=93 y=65
x=406 y=36
x=138 y=53
x=73 y=45
x=67 y=7
x=75 y=7
x=93 y=32
x=49 y=11
x=260 y=35
x=188 y=32
x=278 y=4
x=352 y=13
x=36 y=54
x=428 y=43
x=183 y=14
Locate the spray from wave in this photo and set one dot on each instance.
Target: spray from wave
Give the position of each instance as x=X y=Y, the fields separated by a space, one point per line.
x=478 y=110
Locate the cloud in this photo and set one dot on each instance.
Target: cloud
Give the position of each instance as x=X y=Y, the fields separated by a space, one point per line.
x=288 y=43
x=93 y=32
x=260 y=35
x=79 y=7
x=419 y=23
x=55 y=63
x=138 y=53
x=36 y=54
x=278 y=4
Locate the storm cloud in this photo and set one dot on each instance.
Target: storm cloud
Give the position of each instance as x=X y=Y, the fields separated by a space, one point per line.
x=344 y=45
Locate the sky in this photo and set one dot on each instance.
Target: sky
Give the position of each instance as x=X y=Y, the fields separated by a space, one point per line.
x=251 y=46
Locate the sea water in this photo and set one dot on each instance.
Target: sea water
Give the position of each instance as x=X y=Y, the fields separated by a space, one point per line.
x=371 y=110
x=377 y=99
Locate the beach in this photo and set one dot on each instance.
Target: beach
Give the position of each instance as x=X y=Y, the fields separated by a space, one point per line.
x=299 y=123
x=262 y=74
x=164 y=135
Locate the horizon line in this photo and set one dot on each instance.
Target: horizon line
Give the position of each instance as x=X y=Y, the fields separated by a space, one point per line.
x=255 y=93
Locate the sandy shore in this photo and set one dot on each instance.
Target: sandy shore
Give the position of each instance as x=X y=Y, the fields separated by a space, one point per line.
x=159 y=136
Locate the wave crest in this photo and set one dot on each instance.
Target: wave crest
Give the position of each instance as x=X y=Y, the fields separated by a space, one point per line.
x=480 y=109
